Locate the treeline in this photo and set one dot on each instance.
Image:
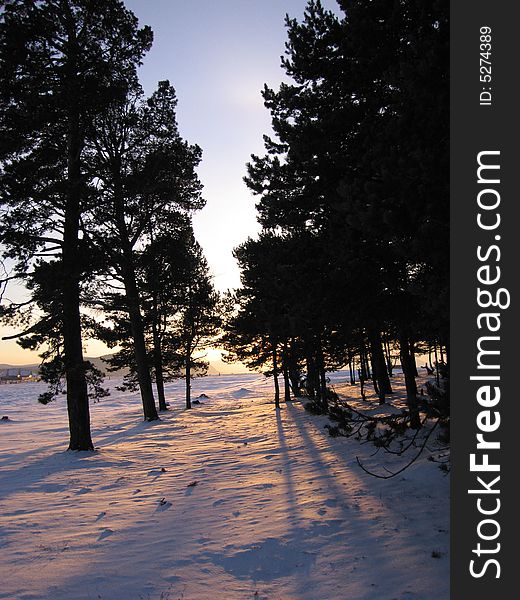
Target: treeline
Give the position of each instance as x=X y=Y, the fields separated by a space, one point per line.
x=98 y=189
x=351 y=266
x=97 y=192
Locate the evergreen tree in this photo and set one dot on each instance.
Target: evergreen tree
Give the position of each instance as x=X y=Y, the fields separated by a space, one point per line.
x=146 y=176
x=61 y=63
x=259 y=328
x=180 y=311
x=198 y=319
x=165 y=271
x=350 y=164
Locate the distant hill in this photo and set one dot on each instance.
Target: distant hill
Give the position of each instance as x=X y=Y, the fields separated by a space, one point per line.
x=216 y=367
x=33 y=367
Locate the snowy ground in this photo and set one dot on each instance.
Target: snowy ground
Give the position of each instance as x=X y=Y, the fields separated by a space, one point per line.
x=229 y=501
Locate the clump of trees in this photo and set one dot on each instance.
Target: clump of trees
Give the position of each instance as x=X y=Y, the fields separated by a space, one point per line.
x=351 y=266
x=97 y=189
x=181 y=314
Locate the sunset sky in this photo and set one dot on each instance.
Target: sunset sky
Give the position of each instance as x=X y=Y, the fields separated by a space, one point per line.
x=217 y=55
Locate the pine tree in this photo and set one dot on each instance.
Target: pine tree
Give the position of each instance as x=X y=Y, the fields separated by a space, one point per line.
x=198 y=319
x=61 y=63
x=181 y=312
x=147 y=176
x=350 y=164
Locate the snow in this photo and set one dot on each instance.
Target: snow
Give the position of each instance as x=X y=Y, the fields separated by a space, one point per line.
x=231 y=500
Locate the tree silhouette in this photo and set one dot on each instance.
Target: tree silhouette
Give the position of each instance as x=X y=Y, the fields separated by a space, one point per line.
x=146 y=175
x=61 y=63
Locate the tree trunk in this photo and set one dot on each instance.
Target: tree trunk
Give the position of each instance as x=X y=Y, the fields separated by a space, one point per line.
x=370 y=373
x=285 y=369
x=381 y=379
x=188 y=380
x=363 y=364
x=287 y=387
x=294 y=372
x=294 y=378
x=322 y=379
x=407 y=363
x=351 y=370
x=379 y=394
x=141 y=358
x=362 y=386
x=157 y=340
x=158 y=367
x=412 y=352
x=77 y=395
x=311 y=376
x=437 y=377
x=275 y=376
x=133 y=303
x=388 y=355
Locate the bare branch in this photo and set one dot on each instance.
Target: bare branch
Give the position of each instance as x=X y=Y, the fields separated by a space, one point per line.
x=392 y=474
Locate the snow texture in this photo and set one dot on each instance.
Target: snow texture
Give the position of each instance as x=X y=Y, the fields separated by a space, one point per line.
x=231 y=500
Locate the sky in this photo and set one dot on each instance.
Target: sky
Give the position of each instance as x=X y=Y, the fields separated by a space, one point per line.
x=217 y=55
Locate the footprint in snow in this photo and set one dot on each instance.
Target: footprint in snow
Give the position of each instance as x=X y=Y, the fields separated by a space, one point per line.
x=84 y=490
x=53 y=487
x=156 y=472
x=100 y=516
x=190 y=487
x=322 y=511
x=163 y=504
x=120 y=481
x=104 y=534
